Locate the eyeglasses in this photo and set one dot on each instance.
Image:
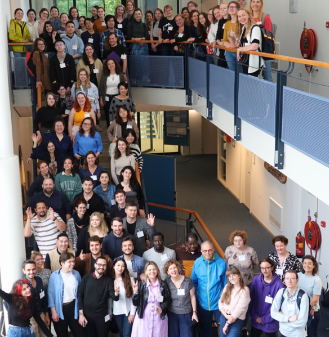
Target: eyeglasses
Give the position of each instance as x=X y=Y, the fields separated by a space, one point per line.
x=191 y=6
x=207 y=251
x=61 y=89
x=289 y=278
x=88 y=49
x=59 y=45
x=265 y=268
x=168 y=10
x=41 y=44
x=232 y=7
x=87 y=124
x=101 y=265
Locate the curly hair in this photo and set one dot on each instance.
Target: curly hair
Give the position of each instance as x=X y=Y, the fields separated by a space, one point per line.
x=18 y=299
x=315 y=264
x=169 y=263
x=280 y=238
x=242 y=234
x=106 y=70
x=125 y=277
x=117 y=153
x=77 y=107
x=79 y=200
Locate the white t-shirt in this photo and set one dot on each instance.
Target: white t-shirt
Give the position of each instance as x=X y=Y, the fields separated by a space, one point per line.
x=132 y=273
x=112 y=84
x=70 y=288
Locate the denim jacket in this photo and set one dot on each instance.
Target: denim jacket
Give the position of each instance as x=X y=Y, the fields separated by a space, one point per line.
x=110 y=195
x=138 y=264
x=56 y=292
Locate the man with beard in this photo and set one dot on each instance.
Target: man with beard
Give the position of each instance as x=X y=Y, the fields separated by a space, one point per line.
x=45 y=225
x=94 y=291
x=85 y=263
x=52 y=198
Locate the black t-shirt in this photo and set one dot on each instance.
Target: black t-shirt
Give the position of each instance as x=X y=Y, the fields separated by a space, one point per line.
x=95 y=204
x=93 y=261
x=168 y=28
x=131 y=227
x=93 y=77
x=116 y=212
x=115 y=53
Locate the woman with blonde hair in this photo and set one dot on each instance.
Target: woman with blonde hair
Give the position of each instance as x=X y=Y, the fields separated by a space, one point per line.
x=97 y=226
x=130 y=7
x=250 y=40
x=233 y=304
x=41 y=272
x=152 y=299
x=121 y=21
x=260 y=18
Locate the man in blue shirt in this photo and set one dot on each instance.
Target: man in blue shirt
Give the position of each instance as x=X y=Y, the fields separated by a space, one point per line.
x=38 y=292
x=73 y=44
x=209 y=278
x=91 y=37
x=110 y=23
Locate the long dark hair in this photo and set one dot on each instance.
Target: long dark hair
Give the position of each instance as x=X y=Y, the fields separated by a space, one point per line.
x=18 y=299
x=72 y=169
x=106 y=70
x=84 y=55
x=125 y=277
x=92 y=129
x=70 y=15
x=45 y=33
x=202 y=29
x=128 y=132
x=35 y=45
x=47 y=152
x=315 y=264
x=85 y=163
x=118 y=118
x=133 y=183
x=117 y=153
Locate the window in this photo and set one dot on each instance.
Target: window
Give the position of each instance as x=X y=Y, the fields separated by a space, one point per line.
x=84 y=6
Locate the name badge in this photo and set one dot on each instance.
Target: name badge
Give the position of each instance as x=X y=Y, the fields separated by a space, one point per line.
x=93 y=177
x=123 y=56
x=96 y=71
x=129 y=126
x=75 y=47
x=160 y=299
x=107 y=98
x=103 y=24
x=87 y=206
x=90 y=40
x=279 y=271
x=223 y=26
x=242 y=258
x=87 y=115
x=181 y=292
x=269 y=299
x=113 y=202
x=140 y=234
x=119 y=25
x=291 y=306
x=180 y=35
x=164 y=257
x=170 y=28
x=62 y=65
x=107 y=318
x=42 y=294
x=67 y=112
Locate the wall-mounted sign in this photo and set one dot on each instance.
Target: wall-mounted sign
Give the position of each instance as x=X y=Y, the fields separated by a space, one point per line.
x=176 y=128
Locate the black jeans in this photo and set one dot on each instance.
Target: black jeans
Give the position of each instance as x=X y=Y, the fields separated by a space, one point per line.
x=107 y=105
x=254 y=332
x=97 y=327
x=61 y=327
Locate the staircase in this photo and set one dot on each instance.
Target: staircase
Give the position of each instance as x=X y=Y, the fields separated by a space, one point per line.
x=104 y=158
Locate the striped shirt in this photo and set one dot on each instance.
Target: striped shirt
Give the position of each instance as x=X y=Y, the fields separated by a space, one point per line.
x=136 y=151
x=45 y=233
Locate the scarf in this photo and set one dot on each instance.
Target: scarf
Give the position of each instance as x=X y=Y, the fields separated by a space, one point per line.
x=80 y=222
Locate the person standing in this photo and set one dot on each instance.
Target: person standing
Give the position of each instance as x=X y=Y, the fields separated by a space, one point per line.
x=263 y=289
x=94 y=292
x=36 y=186
x=54 y=13
x=32 y=25
x=39 y=293
x=310 y=282
x=91 y=37
x=119 y=209
x=41 y=272
x=209 y=278
x=100 y=24
x=62 y=297
x=291 y=307
x=73 y=44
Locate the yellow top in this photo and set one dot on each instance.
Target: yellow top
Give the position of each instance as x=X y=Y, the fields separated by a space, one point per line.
x=227 y=28
x=80 y=116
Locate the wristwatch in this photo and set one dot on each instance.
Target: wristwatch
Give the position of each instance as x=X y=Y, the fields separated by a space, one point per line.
x=124 y=73
x=80 y=312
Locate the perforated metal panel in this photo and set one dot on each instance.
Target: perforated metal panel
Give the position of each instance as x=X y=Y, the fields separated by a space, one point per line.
x=20 y=73
x=221 y=87
x=305 y=123
x=257 y=100
x=156 y=71
x=197 y=76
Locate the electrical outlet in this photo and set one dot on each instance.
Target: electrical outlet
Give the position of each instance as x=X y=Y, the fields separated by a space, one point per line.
x=300 y=74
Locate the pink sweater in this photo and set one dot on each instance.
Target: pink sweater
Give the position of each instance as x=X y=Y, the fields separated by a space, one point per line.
x=239 y=303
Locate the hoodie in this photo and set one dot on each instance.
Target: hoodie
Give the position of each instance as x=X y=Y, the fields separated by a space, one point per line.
x=259 y=290
x=111 y=245
x=18 y=33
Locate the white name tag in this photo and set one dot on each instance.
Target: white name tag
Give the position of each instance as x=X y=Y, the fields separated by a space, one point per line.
x=123 y=56
x=87 y=115
x=90 y=40
x=107 y=318
x=140 y=234
x=42 y=294
x=269 y=299
x=96 y=71
x=107 y=98
x=164 y=257
x=129 y=126
x=103 y=24
x=242 y=258
x=113 y=202
x=181 y=292
x=279 y=271
x=75 y=47
x=93 y=177
x=170 y=28
x=119 y=25
x=180 y=35
x=223 y=26
x=160 y=299
x=87 y=206
x=67 y=112
x=62 y=65
x=291 y=306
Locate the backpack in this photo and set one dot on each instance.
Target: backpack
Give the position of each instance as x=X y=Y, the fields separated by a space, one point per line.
x=325 y=301
x=274 y=26
x=299 y=299
x=268 y=42
x=30 y=65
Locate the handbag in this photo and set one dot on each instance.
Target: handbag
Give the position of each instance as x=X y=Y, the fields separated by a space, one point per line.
x=113 y=145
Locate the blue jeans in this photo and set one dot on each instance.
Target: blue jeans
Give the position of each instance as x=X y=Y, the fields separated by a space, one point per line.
x=267 y=73
x=123 y=325
x=312 y=330
x=20 y=332
x=234 y=329
x=205 y=320
x=19 y=54
x=231 y=59
x=179 y=325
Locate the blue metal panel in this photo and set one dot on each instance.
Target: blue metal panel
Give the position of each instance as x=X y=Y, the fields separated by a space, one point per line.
x=305 y=123
x=20 y=73
x=221 y=86
x=160 y=184
x=198 y=76
x=257 y=100
x=156 y=71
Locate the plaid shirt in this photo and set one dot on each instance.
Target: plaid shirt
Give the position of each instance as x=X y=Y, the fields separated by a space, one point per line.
x=103 y=38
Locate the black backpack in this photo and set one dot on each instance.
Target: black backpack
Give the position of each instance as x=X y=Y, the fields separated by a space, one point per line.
x=30 y=65
x=268 y=42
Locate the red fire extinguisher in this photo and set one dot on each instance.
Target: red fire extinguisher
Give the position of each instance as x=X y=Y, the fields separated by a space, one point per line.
x=300 y=245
